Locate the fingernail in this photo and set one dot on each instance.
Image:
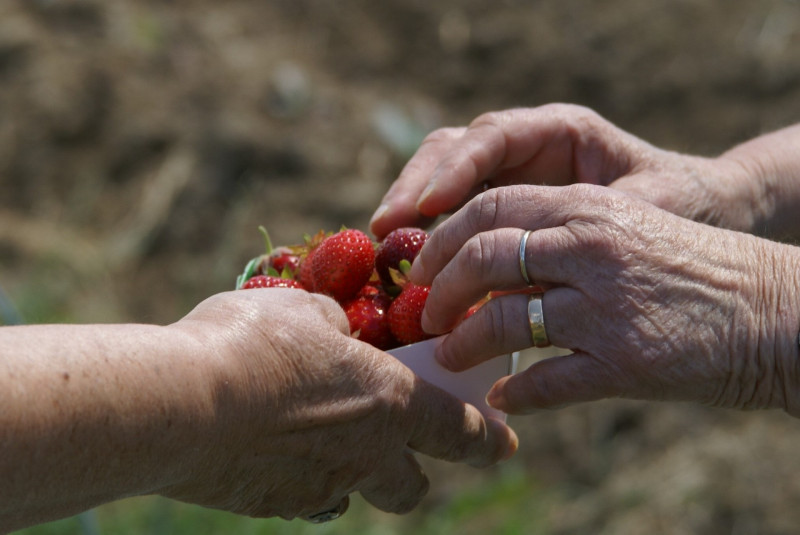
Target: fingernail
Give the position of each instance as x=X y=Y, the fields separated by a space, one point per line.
x=494 y=399
x=513 y=446
x=379 y=213
x=426 y=193
x=438 y=353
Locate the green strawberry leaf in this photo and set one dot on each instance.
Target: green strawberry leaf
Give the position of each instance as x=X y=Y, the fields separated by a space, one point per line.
x=248 y=272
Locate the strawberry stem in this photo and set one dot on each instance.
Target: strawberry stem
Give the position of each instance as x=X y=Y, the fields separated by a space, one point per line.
x=267 y=241
x=405 y=266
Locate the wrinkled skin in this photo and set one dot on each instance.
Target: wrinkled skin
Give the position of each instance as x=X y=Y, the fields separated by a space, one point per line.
x=653 y=306
x=753 y=187
x=342 y=417
x=258 y=402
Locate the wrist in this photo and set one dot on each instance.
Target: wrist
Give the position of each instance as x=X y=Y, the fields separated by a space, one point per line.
x=786 y=309
x=764 y=355
x=769 y=173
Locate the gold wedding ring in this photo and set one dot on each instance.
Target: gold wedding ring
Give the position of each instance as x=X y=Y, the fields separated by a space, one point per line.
x=522 y=267
x=536 y=319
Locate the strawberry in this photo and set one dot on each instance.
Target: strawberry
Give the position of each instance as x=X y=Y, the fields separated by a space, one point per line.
x=400 y=244
x=283 y=260
x=369 y=319
x=342 y=264
x=305 y=276
x=306 y=252
x=270 y=281
x=405 y=314
x=278 y=262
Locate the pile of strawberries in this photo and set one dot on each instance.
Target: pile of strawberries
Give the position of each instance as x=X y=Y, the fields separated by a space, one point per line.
x=366 y=278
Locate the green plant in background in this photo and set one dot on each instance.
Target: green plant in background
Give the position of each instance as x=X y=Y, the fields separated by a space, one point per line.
x=8 y=312
x=507 y=502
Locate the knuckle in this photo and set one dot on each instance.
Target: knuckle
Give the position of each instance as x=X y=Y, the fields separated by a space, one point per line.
x=441 y=135
x=486 y=208
x=576 y=112
x=496 y=321
x=491 y=118
x=478 y=253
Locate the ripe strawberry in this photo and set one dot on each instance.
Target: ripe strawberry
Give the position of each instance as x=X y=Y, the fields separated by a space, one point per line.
x=400 y=244
x=342 y=264
x=369 y=320
x=270 y=281
x=306 y=252
x=283 y=260
x=405 y=314
x=278 y=262
x=305 y=276
x=277 y=259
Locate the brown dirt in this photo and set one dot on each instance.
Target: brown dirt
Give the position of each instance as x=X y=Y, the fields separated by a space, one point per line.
x=141 y=143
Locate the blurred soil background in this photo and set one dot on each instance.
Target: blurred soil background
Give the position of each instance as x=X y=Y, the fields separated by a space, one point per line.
x=143 y=142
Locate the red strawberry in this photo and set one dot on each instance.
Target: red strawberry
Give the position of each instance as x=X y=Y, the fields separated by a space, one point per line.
x=400 y=244
x=405 y=314
x=369 y=320
x=306 y=253
x=342 y=264
x=277 y=260
x=285 y=261
x=305 y=275
x=270 y=281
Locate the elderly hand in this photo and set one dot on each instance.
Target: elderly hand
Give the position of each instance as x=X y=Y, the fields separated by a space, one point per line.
x=753 y=187
x=307 y=415
x=258 y=402
x=653 y=306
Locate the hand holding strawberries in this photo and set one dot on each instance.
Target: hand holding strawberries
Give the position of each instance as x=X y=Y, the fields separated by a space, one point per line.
x=313 y=415
x=257 y=402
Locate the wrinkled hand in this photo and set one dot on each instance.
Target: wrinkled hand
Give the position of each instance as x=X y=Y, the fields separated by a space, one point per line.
x=561 y=144
x=653 y=306
x=306 y=415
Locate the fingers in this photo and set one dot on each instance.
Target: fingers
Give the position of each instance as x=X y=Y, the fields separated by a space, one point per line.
x=398 y=487
x=502 y=141
x=554 y=144
x=490 y=262
x=399 y=206
x=499 y=327
x=513 y=207
x=559 y=381
x=446 y=428
x=502 y=326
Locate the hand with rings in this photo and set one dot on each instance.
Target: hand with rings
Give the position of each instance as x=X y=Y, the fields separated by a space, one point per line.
x=652 y=305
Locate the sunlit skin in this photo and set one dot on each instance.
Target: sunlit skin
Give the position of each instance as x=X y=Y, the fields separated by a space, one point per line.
x=657 y=279
x=257 y=402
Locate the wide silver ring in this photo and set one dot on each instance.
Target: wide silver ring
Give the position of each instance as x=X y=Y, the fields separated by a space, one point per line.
x=330 y=514
x=536 y=320
x=523 y=242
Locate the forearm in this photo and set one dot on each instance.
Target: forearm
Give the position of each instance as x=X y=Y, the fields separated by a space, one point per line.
x=770 y=174
x=92 y=414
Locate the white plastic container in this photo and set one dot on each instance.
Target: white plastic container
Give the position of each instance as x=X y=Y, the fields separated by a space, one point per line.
x=470 y=386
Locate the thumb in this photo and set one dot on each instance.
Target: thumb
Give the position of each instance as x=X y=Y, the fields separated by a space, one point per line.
x=555 y=382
